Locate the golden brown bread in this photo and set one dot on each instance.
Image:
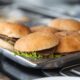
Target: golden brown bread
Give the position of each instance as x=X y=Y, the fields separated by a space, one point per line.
x=70 y=42
x=42 y=28
x=36 y=41
x=6 y=45
x=65 y=24
x=13 y=29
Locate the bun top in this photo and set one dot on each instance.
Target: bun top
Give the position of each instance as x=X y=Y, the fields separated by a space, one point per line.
x=69 y=43
x=65 y=24
x=42 y=28
x=13 y=29
x=36 y=41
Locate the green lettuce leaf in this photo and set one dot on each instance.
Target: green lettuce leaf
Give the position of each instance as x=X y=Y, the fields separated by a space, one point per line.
x=32 y=55
x=35 y=55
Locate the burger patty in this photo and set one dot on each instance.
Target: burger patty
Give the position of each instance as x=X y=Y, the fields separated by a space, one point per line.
x=10 y=40
x=46 y=52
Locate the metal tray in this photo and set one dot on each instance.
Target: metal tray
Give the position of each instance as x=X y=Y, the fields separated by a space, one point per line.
x=42 y=63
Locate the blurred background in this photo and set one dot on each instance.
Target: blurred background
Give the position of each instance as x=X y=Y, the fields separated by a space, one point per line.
x=50 y=8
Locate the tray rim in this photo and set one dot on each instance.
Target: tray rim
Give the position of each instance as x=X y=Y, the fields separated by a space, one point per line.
x=57 y=63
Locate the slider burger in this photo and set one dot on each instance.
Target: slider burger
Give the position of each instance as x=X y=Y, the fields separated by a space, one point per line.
x=65 y=24
x=69 y=43
x=36 y=45
x=42 y=28
x=10 y=32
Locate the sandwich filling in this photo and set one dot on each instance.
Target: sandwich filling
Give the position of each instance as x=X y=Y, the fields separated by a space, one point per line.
x=10 y=40
x=49 y=53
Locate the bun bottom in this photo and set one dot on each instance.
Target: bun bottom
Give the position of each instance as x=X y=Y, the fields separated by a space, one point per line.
x=6 y=45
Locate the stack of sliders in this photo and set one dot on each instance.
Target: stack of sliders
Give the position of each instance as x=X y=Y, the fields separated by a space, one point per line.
x=59 y=38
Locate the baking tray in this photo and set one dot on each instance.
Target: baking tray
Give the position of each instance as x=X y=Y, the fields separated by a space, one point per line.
x=42 y=63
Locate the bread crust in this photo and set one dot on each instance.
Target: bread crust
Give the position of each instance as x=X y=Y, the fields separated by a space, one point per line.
x=65 y=24
x=6 y=45
x=13 y=29
x=42 y=28
x=69 y=43
x=36 y=41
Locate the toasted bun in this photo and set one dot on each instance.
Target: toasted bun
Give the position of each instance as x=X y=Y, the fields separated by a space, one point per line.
x=36 y=41
x=69 y=43
x=65 y=24
x=42 y=28
x=6 y=45
x=13 y=29
x=61 y=34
